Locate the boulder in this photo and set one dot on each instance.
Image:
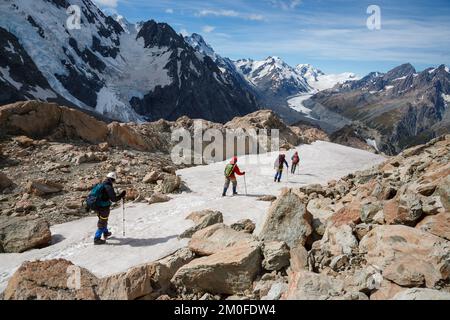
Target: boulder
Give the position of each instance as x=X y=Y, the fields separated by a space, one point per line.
x=369 y=211
x=18 y=234
x=88 y=157
x=349 y=214
x=338 y=241
x=158 y=198
x=298 y=259
x=229 y=271
x=5 y=182
x=203 y=219
x=312 y=188
x=406 y=209
x=268 y=198
x=305 y=285
x=407 y=256
x=321 y=211
x=438 y=225
x=151 y=177
x=24 y=141
x=217 y=237
x=103 y=147
x=43 y=187
x=276 y=290
x=386 y=291
x=130 y=285
x=444 y=193
x=432 y=205
x=51 y=280
x=287 y=220
x=245 y=225
x=422 y=294
x=169 y=184
x=276 y=255
x=162 y=271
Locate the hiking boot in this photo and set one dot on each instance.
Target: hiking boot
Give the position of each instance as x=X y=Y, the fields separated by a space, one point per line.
x=106 y=235
x=99 y=241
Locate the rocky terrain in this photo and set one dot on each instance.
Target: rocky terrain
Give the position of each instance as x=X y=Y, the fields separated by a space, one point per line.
x=52 y=156
x=381 y=233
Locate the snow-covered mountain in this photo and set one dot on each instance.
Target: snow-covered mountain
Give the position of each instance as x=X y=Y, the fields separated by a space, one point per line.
x=121 y=70
x=273 y=75
x=320 y=81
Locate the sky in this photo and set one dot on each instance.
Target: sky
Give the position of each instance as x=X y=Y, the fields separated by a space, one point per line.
x=332 y=35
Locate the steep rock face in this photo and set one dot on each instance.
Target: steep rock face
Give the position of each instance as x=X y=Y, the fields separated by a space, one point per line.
x=45 y=120
x=401 y=108
x=98 y=66
x=199 y=88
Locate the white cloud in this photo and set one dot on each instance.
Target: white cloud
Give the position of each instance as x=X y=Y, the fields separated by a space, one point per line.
x=231 y=14
x=256 y=17
x=170 y=11
x=107 y=3
x=218 y=13
x=208 y=29
x=184 y=32
x=286 y=4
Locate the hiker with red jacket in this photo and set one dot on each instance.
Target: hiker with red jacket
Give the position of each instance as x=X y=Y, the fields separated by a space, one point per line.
x=295 y=160
x=279 y=164
x=230 y=176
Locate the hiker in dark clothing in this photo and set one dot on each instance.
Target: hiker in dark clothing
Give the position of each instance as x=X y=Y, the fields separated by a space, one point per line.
x=295 y=160
x=103 y=207
x=279 y=164
x=230 y=176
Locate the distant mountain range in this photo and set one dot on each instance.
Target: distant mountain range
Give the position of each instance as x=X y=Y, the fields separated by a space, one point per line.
x=147 y=71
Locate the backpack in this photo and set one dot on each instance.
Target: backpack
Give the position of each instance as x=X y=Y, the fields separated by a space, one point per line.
x=94 y=198
x=295 y=159
x=229 y=169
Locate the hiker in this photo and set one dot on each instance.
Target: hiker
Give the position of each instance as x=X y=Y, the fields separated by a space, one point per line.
x=230 y=176
x=295 y=160
x=279 y=163
x=100 y=200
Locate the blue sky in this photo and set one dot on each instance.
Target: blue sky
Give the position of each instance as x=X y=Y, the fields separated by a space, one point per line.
x=331 y=35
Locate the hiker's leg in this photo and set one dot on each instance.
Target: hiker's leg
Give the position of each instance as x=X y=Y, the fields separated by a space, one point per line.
x=225 y=186
x=103 y=216
x=234 y=181
x=276 y=175
x=279 y=175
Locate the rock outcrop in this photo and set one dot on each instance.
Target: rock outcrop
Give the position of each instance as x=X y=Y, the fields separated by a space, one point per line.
x=51 y=280
x=18 y=234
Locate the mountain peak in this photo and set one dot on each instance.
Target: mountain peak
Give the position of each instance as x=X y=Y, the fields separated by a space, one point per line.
x=403 y=70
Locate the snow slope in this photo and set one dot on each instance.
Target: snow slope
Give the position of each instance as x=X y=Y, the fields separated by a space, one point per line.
x=152 y=229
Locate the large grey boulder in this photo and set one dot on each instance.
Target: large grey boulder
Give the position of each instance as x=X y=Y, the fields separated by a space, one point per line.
x=287 y=220
x=18 y=234
x=217 y=237
x=229 y=271
x=276 y=255
x=202 y=219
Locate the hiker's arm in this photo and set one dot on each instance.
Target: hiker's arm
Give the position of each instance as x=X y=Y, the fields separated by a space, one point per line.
x=287 y=165
x=237 y=171
x=112 y=194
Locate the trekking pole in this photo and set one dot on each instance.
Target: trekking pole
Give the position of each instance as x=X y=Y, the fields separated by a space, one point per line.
x=245 y=184
x=123 y=217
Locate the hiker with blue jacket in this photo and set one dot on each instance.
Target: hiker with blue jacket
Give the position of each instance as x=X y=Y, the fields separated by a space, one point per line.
x=100 y=200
